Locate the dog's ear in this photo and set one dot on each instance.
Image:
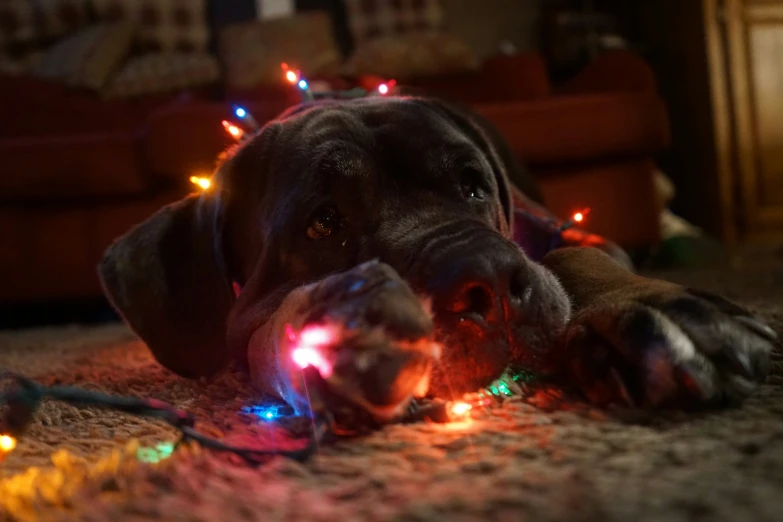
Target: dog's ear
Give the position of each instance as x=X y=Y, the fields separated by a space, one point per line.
x=507 y=169
x=164 y=278
x=167 y=276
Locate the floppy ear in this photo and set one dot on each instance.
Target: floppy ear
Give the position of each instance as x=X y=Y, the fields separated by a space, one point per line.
x=167 y=276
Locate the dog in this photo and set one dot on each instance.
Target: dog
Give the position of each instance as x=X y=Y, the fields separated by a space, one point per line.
x=415 y=201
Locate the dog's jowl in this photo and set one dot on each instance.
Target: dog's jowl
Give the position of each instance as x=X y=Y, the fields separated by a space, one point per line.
x=393 y=217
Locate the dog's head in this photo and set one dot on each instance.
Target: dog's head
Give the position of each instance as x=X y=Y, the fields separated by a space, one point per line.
x=409 y=181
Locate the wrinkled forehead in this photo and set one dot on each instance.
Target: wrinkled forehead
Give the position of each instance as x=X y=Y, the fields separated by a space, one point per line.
x=409 y=133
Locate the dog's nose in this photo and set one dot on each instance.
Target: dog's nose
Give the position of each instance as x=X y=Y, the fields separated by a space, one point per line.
x=491 y=287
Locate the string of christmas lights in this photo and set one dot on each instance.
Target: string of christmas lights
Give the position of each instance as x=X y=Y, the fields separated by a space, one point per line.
x=25 y=397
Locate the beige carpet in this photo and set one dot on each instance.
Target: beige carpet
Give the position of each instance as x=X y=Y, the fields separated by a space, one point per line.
x=518 y=463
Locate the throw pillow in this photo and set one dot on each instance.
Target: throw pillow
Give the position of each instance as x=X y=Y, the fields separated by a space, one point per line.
x=502 y=22
x=17 y=26
x=252 y=52
x=163 y=72
x=87 y=58
x=163 y=25
x=56 y=18
x=370 y=19
x=413 y=55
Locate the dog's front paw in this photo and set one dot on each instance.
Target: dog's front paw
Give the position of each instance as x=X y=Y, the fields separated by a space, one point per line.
x=664 y=345
x=366 y=333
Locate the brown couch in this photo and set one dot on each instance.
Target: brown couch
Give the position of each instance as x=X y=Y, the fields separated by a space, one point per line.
x=78 y=171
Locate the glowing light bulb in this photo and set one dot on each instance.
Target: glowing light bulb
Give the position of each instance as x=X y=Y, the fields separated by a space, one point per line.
x=580 y=216
x=202 y=182
x=307 y=353
x=240 y=112
x=308 y=356
x=383 y=88
x=303 y=84
x=291 y=76
x=233 y=130
x=7 y=443
x=460 y=409
x=315 y=336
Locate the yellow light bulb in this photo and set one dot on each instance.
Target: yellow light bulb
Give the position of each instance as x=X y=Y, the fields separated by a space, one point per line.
x=460 y=409
x=7 y=443
x=202 y=182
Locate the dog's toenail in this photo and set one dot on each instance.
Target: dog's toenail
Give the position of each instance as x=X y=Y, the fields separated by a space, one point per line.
x=758 y=327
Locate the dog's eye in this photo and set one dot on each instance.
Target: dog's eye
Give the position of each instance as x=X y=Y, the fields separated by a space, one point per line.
x=470 y=184
x=324 y=222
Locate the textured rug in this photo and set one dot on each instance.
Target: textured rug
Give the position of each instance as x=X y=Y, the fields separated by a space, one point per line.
x=515 y=463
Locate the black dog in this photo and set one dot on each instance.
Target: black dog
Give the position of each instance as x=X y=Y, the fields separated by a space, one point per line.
x=425 y=189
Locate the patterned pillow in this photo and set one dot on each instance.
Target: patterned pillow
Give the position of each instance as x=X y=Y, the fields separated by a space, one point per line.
x=413 y=55
x=163 y=72
x=55 y=18
x=252 y=52
x=18 y=65
x=25 y=25
x=376 y=18
x=17 y=26
x=87 y=58
x=163 y=25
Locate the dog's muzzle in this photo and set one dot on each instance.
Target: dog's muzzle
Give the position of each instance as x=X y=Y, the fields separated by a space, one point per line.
x=492 y=306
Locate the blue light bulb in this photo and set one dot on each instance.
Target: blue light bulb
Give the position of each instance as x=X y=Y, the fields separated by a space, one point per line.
x=302 y=84
x=240 y=112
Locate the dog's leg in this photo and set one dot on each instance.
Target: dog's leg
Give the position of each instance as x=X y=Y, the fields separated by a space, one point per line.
x=364 y=330
x=648 y=342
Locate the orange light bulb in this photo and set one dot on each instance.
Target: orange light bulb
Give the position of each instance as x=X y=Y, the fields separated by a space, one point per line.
x=460 y=409
x=233 y=130
x=202 y=182
x=7 y=443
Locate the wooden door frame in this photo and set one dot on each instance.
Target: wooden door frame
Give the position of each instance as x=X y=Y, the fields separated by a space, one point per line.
x=714 y=16
x=735 y=112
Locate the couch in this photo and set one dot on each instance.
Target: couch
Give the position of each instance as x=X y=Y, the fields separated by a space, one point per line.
x=78 y=171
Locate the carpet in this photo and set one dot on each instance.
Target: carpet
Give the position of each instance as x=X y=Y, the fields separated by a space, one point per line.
x=518 y=462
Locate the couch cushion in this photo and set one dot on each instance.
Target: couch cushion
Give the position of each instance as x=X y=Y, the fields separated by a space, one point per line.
x=68 y=168
x=501 y=79
x=412 y=55
x=163 y=72
x=252 y=52
x=624 y=206
x=163 y=25
x=186 y=140
x=34 y=107
x=369 y=19
x=592 y=127
x=52 y=251
x=87 y=58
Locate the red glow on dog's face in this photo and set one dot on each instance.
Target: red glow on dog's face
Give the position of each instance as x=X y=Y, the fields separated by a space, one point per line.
x=307 y=352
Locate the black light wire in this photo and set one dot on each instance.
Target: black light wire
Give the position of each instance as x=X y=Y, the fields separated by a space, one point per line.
x=26 y=395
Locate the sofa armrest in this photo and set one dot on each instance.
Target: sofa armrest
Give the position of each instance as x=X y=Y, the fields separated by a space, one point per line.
x=586 y=128
x=613 y=71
